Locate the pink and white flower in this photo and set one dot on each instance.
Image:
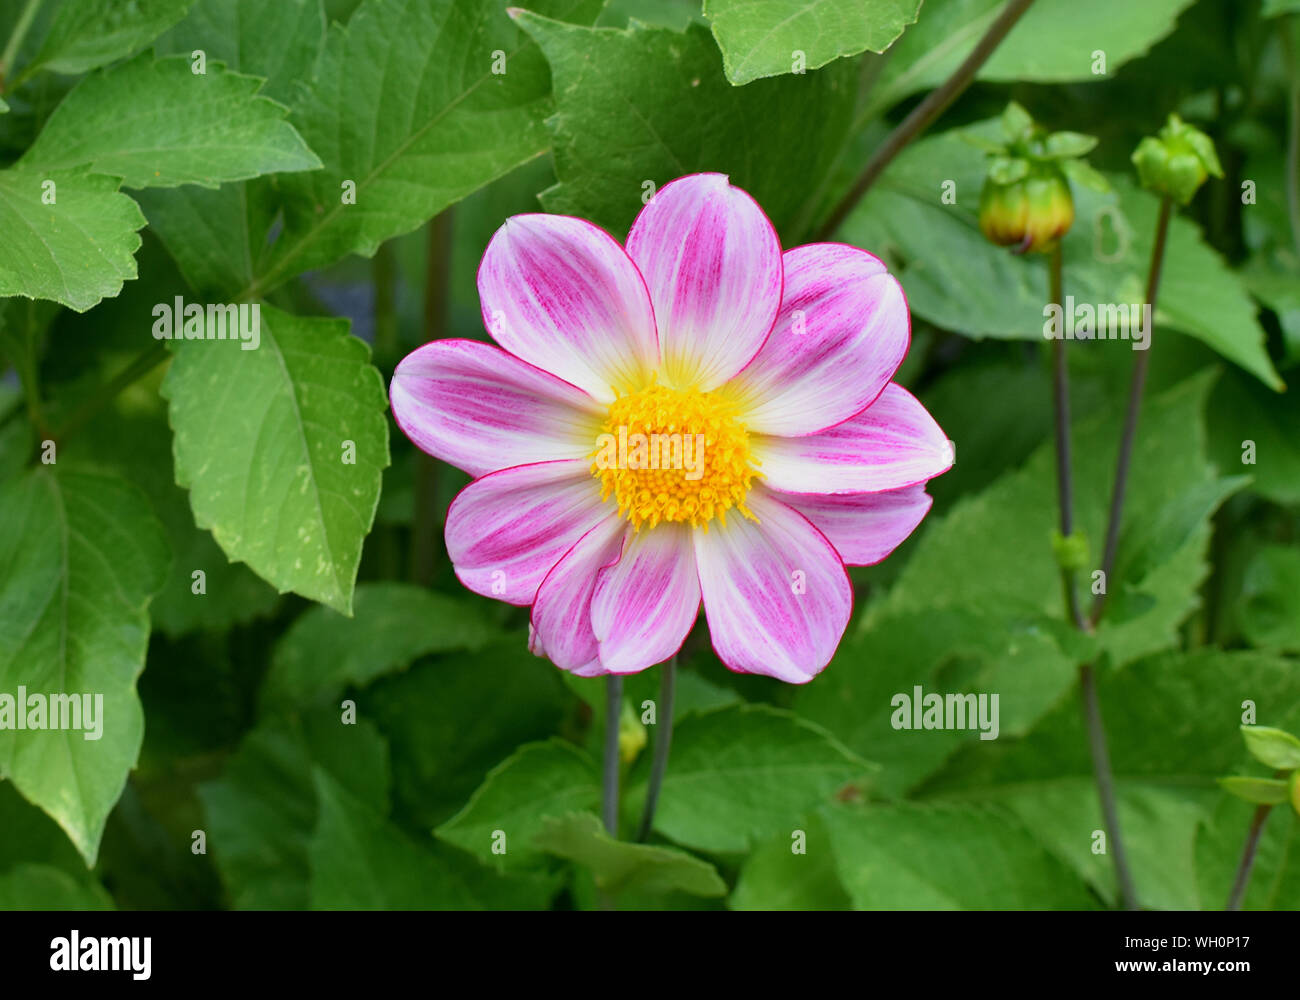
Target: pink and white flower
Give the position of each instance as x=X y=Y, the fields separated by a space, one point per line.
x=782 y=362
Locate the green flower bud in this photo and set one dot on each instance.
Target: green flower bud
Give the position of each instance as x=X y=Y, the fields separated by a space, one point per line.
x=631 y=734
x=1031 y=212
x=1177 y=162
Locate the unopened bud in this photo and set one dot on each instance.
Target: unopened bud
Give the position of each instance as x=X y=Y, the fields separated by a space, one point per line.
x=1176 y=162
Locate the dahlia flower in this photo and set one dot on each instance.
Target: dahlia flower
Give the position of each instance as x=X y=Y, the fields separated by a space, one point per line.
x=697 y=417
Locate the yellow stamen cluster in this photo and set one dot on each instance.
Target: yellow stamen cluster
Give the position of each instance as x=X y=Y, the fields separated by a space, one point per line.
x=674 y=455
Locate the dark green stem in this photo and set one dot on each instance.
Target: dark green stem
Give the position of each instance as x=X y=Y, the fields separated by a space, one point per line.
x=1239 y=884
x=143 y=364
x=663 y=743
x=925 y=113
x=21 y=27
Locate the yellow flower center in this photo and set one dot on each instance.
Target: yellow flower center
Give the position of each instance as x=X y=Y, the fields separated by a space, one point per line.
x=674 y=455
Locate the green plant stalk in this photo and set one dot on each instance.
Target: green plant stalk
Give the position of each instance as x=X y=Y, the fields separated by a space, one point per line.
x=21 y=27
x=612 y=760
x=1247 y=863
x=1140 y=366
x=1087 y=679
x=925 y=114
x=145 y=362
x=663 y=743
x=1286 y=25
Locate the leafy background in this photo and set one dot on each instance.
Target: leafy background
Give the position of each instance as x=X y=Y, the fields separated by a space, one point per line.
x=327 y=582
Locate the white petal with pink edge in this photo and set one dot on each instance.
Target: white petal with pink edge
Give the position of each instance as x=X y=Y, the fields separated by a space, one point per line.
x=863 y=527
x=646 y=602
x=891 y=444
x=482 y=409
x=775 y=593
x=712 y=262
x=561 y=617
x=842 y=332
x=561 y=294
x=506 y=530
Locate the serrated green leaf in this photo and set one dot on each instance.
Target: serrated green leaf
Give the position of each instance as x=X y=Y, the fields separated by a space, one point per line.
x=86 y=34
x=742 y=774
x=43 y=887
x=360 y=861
x=1044 y=46
x=1263 y=791
x=407 y=108
x=510 y=807
x=760 y=38
x=1275 y=747
x=83 y=556
x=75 y=251
x=260 y=442
x=618 y=866
x=260 y=813
x=627 y=121
x=901 y=857
x=392 y=624
x=157 y=124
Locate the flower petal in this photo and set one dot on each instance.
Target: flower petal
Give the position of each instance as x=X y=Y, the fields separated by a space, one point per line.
x=712 y=262
x=775 y=593
x=863 y=527
x=646 y=602
x=506 y=530
x=482 y=409
x=893 y=443
x=842 y=332
x=561 y=618
x=563 y=295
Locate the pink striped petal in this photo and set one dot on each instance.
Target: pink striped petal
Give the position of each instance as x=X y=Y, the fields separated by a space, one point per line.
x=863 y=527
x=712 y=262
x=561 y=618
x=506 y=530
x=842 y=332
x=646 y=603
x=481 y=409
x=775 y=593
x=563 y=295
x=891 y=444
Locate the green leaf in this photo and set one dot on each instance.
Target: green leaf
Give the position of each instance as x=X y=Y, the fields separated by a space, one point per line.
x=1269 y=606
x=1054 y=41
x=43 y=887
x=406 y=107
x=1275 y=877
x=261 y=441
x=157 y=124
x=360 y=861
x=1263 y=791
x=762 y=38
x=75 y=251
x=86 y=34
x=83 y=556
x=1258 y=432
x=901 y=857
x=1171 y=722
x=628 y=120
x=743 y=774
x=1067 y=145
x=777 y=877
x=277 y=41
x=259 y=815
x=510 y=808
x=959 y=281
x=392 y=624
x=1277 y=8
x=618 y=866
x=1274 y=747
x=438 y=759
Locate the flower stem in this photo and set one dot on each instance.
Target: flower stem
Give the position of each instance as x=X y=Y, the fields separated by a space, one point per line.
x=21 y=28
x=612 y=760
x=1087 y=678
x=1239 y=884
x=925 y=113
x=1138 y=384
x=1286 y=25
x=663 y=742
